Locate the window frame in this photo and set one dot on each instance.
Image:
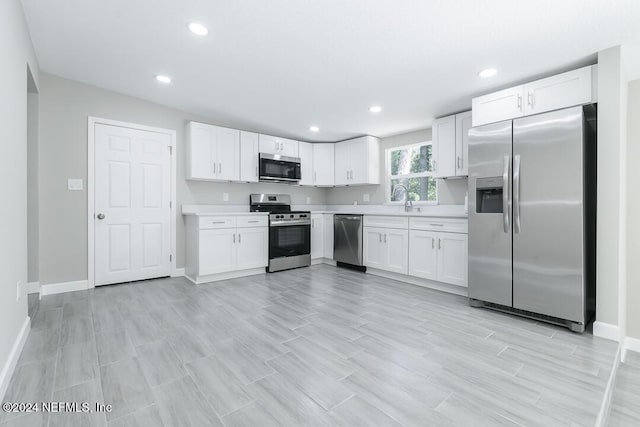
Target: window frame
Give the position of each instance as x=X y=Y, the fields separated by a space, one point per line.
x=389 y=177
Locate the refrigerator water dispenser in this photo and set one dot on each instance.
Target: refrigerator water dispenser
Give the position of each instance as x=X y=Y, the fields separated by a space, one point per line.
x=489 y=195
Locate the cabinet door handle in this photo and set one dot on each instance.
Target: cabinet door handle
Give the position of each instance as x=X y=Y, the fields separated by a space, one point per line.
x=220 y=168
x=256 y=171
x=439 y=245
x=519 y=102
x=313 y=223
x=435 y=166
x=315 y=176
x=253 y=221
x=385 y=238
x=380 y=237
x=214 y=168
x=234 y=237
x=433 y=243
x=239 y=238
x=459 y=162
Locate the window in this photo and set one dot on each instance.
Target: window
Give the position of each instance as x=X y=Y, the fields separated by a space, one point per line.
x=409 y=168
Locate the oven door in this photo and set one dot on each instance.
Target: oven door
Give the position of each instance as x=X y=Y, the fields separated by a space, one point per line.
x=276 y=168
x=289 y=240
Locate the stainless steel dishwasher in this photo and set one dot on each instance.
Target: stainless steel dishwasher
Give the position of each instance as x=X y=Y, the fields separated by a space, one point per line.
x=347 y=241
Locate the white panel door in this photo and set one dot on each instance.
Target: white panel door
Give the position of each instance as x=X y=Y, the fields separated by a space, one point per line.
x=463 y=124
x=374 y=247
x=452 y=258
x=559 y=91
x=270 y=144
x=396 y=250
x=317 y=236
x=252 y=247
x=227 y=154
x=132 y=196
x=249 y=149
x=423 y=254
x=201 y=154
x=327 y=243
x=323 y=165
x=444 y=146
x=217 y=252
x=498 y=106
x=305 y=149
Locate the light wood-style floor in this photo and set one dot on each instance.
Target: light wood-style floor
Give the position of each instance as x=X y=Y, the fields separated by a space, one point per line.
x=316 y=346
x=625 y=401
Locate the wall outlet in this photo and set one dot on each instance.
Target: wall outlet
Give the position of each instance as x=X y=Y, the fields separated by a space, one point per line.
x=74 y=184
x=225 y=197
x=308 y=200
x=365 y=197
x=18 y=291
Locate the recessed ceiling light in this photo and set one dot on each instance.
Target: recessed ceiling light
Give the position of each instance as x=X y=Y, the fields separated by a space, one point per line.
x=163 y=79
x=489 y=72
x=314 y=128
x=198 y=29
x=375 y=109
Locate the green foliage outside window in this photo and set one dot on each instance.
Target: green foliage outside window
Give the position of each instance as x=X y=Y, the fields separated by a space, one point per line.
x=412 y=167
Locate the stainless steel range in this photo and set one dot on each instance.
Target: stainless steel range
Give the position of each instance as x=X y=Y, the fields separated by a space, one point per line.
x=289 y=231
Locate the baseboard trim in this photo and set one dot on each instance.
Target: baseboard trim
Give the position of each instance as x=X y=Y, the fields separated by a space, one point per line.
x=605 y=406
x=178 y=272
x=317 y=261
x=32 y=288
x=10 y=365
x=606 y=331
x=438 y=286
x=58 y=288
x=630 y=344
x=225 y=276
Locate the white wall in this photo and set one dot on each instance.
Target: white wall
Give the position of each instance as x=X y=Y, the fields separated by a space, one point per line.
x=32 y=185
x=633 y=212
x=611 y=88
x=16 y=52
x=64 y=108
x=450 y=191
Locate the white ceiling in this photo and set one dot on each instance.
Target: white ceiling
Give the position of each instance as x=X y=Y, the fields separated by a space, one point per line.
x=281 y=66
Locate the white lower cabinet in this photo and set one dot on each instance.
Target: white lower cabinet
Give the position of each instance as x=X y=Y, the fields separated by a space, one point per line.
x=317 y=236
x=386 y=249
x=438 y=256
x=216 y=254
x=423 y=254
x=221 y=247
x=327 y=242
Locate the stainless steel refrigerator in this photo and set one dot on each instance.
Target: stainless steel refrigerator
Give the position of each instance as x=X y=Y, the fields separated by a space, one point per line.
x=532 y=198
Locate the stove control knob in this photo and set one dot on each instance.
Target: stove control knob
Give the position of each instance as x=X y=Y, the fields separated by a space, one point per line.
x=291 y=216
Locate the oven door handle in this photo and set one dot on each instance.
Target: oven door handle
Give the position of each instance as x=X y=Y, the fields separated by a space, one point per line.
x=287 y=223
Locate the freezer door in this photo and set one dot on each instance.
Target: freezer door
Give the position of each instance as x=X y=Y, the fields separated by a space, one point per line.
x=490 y=213
x=548 y=214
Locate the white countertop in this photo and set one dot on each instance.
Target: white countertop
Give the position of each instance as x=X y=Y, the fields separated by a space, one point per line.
x=429 y=211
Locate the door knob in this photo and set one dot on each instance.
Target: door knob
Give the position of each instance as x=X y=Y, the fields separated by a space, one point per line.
x=100 y=216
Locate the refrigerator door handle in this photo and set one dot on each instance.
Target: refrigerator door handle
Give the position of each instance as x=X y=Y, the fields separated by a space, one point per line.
x=516 y=193
x=505 y=194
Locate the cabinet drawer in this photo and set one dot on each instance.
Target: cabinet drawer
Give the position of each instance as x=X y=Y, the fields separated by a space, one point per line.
x=386 y=221
x=209 y=222
x=453 y=225
x=252 y=221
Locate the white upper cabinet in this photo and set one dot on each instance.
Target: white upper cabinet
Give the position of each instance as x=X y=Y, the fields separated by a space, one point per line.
x=562 y=90
x=357 y=161
x=444 y=146
x=494 y=107
x=323 y=165
x=463 y=124
x=559 y=91
x=450 y=139
x=276 y=145
x=305 y=150
x=213 y=152
x=249 y=148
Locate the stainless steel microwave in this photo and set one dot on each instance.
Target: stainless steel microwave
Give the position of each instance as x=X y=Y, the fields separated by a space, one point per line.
x=277 y=168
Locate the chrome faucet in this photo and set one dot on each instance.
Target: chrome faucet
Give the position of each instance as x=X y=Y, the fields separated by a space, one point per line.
x=408 y=204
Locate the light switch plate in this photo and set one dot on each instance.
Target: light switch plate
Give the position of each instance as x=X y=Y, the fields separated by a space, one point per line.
x=365 y=197
x=225 y=197
x=74 y=184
